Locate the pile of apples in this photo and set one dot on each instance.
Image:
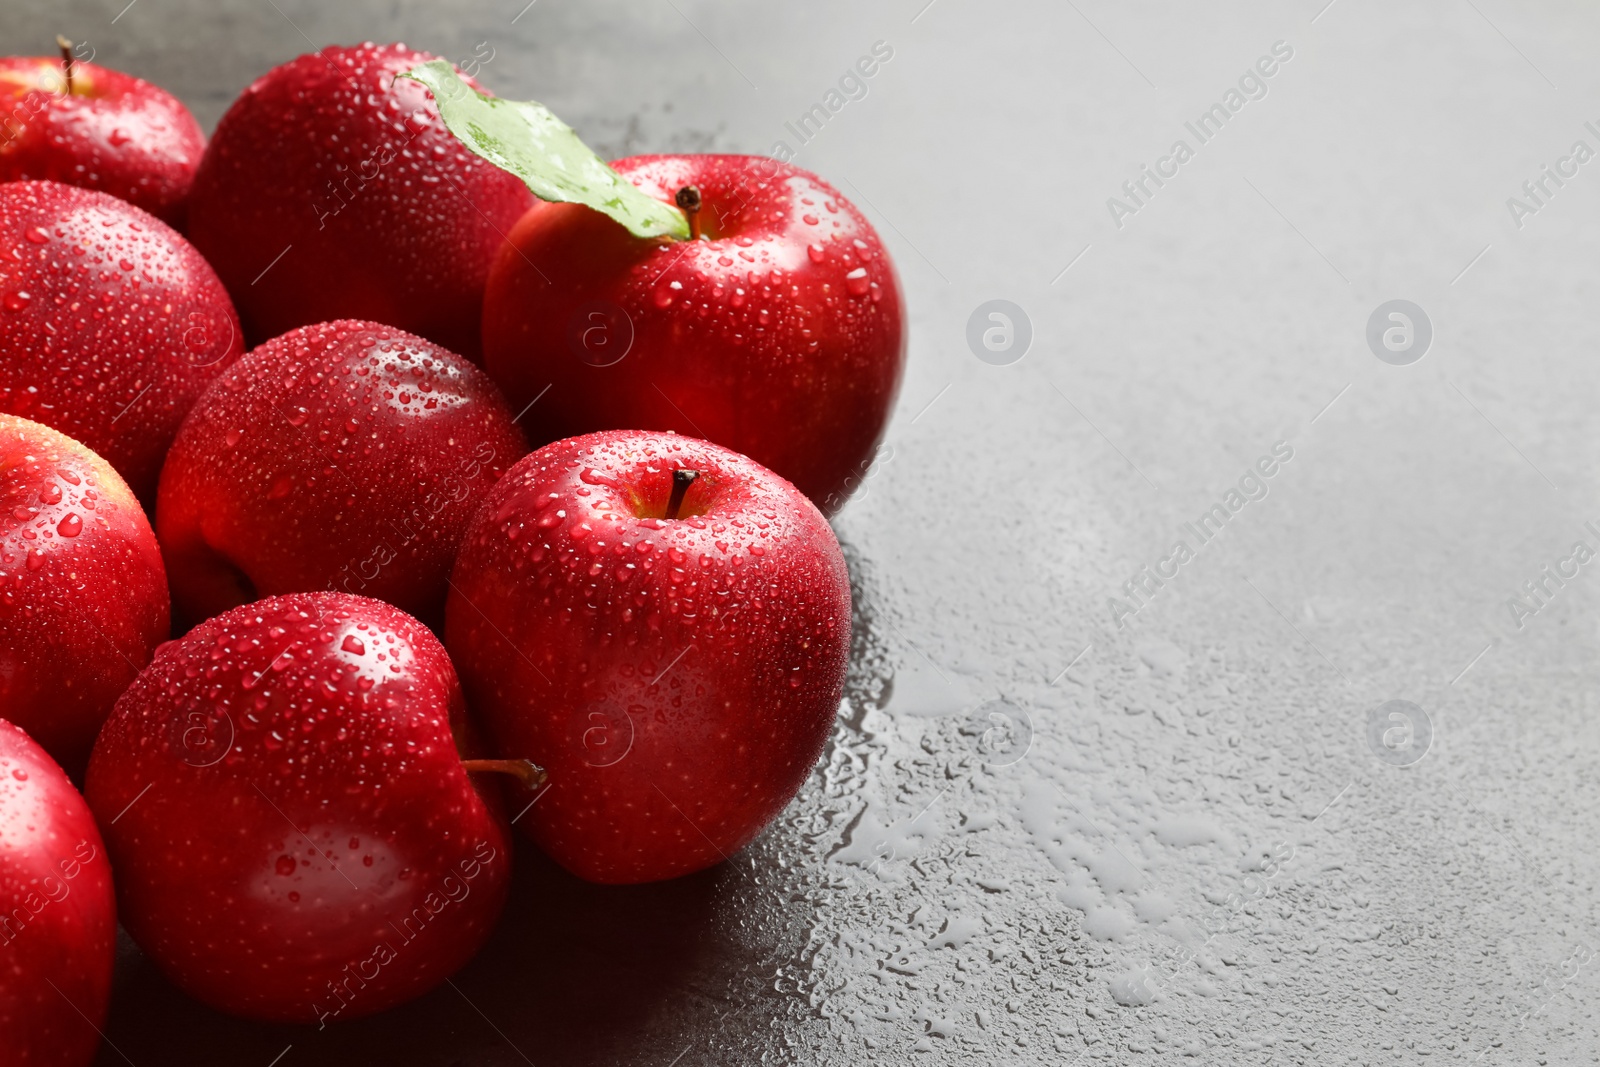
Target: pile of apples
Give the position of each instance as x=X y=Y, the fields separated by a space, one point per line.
x=367 y=629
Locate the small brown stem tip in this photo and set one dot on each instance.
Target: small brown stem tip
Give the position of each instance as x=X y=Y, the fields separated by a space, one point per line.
x=66 y=60
x=528 y=772
x=681 y=481
x=688 y=199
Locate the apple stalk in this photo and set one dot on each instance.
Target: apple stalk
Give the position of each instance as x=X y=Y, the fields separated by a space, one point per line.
x=66 y=60
x=688 y=199
x=681 y=481
x=529 y=773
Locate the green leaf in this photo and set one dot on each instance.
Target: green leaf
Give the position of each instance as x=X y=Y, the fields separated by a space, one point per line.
x=524 y=138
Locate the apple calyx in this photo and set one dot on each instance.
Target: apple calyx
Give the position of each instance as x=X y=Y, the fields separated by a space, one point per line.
x=688 y=199
x=681 y=481
x=524 y=138
x=526 y=771
x=66 y=60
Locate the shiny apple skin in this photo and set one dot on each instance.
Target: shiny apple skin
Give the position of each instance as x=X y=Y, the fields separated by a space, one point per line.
x=113 y=132
x=287 y=791
x=385 y=215
x=345 y=455
x=83 y=595
x=111 y=324
x=757 y=338
x=60 y=920
x=677 y=678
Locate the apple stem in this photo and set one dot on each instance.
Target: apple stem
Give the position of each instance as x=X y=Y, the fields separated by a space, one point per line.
x=66 y=60
x=688 y=199
x=681 y=481
x=530 y=773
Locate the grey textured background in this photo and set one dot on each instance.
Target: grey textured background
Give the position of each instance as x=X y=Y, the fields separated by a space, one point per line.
x=918 y=906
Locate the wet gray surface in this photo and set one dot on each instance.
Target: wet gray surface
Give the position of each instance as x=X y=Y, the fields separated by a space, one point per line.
x=1186 y=845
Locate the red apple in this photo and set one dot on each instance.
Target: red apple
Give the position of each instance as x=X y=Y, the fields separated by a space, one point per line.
x=345 y=455
x=294 y=832
x=676 y=676
x=110 y=323
x=70 y=121
x=376 y=210
x=58 y=930
x=777 y=334
x=83 y=596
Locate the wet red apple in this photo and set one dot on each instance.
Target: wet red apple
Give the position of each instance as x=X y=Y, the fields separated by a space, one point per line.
x=663 y=625
x=111 y=324
x=295 y=833
x=83 y=596
x=778 y=333
x=345 y=455
x=331 y=191
x=58 y=921
x=68 y=120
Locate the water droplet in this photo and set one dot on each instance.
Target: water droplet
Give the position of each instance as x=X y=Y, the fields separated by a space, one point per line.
x=286 y=865
x=857 y=282
x=71 y=526
x=816 y=252
x=18 y=300
x=353 y=645
x=50 y=494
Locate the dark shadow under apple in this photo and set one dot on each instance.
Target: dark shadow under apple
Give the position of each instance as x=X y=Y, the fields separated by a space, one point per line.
x=574 y=974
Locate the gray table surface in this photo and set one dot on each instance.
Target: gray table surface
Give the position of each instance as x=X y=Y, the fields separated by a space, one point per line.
x=1199 y=851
